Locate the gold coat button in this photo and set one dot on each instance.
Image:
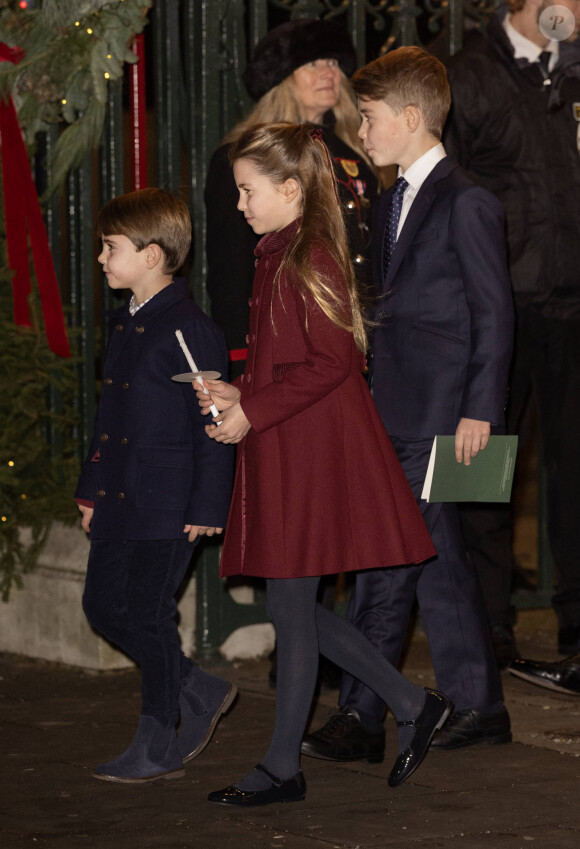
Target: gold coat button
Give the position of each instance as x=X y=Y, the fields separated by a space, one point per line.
x=125 y=386
x=124 y=440
x=118 y=327
x=140 y=329
x=104 y=437
x=101 y=493
x=121 y=495
x=108 y=380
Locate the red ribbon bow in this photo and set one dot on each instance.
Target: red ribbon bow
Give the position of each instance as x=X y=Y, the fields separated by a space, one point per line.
x=316 y=134
x=24 y=217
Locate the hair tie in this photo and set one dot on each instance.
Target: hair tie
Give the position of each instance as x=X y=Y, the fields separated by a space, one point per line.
x=315 y=134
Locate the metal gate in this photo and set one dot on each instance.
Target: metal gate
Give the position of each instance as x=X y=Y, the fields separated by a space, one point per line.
x=194 y=53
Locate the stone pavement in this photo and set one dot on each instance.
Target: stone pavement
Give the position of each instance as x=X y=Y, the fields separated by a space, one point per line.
x=57 y=722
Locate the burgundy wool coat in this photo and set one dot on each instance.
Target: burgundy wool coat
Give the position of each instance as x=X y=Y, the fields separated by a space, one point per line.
x=318 y=487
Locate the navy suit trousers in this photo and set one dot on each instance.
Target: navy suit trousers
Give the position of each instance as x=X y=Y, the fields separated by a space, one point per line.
x=129 y=598
x=450 y=603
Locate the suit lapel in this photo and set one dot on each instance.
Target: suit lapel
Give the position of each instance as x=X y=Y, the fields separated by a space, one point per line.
x=419 y=208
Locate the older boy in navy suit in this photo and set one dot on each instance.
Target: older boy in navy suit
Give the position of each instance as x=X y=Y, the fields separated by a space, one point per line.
x=153 y=483
x=441 y=354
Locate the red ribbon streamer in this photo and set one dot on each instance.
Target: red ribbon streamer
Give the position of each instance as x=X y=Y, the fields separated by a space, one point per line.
x=138 y=114
x=24 y=218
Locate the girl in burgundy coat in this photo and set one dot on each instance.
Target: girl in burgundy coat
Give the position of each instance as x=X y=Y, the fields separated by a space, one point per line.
x=318 y=488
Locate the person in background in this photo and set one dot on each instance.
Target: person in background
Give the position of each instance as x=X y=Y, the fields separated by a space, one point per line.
x=299 y=73
x=515 y=127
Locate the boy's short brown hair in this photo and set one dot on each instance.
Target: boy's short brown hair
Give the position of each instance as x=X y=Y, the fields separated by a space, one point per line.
x=149 y=216
x=405 y=77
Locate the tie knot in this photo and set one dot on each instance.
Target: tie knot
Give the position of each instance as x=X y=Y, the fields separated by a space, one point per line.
x=400 y=185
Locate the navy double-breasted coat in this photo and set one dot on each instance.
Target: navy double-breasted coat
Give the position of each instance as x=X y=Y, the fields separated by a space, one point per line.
x=151 y=467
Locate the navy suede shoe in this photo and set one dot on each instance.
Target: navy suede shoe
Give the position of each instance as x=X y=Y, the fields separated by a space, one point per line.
x=435 y=711
x=153 y=754
x=203 y=700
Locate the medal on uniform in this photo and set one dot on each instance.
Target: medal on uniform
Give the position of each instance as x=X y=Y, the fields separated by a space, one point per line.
x=350 y=166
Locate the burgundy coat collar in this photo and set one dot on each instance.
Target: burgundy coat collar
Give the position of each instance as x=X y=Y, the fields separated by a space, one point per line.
x=272 y=243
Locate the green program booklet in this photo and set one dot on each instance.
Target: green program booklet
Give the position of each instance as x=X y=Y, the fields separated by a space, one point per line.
x=488 y=478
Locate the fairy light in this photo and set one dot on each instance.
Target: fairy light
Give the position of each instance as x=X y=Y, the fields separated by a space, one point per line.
x=23 y=496
x=107 y=75
x=10 y=462
x=89 y=30
x=4 y=518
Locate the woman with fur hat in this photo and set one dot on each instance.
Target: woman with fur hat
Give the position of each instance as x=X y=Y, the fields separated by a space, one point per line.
x=298 y=73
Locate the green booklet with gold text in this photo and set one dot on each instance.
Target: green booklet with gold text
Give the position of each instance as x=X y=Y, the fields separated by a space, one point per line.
x=488 y=478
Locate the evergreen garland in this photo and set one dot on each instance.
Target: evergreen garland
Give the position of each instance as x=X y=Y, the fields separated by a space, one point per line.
x=72 y=50
x=38 y=458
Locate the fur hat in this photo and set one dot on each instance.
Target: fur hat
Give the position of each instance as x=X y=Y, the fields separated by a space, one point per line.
x=293 y=44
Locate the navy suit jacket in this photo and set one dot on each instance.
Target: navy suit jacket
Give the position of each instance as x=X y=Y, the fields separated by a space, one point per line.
x=442 y=347
x=151 y=467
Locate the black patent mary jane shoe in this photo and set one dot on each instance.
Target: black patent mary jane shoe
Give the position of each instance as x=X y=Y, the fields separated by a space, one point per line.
x=287 y=790
x=435 y=711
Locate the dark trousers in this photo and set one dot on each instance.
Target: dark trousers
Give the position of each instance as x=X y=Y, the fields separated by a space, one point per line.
x=547 y=362
x=129 y=598
x=450 y=604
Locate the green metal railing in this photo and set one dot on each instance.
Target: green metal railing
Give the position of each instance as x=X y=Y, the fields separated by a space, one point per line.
x=196 y=51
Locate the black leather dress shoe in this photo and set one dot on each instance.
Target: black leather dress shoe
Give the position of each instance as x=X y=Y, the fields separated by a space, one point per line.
x=471 y=727
x=344 y=738
x=435 y=711
x=288 y=790
x=569 y=640
x=562 y=675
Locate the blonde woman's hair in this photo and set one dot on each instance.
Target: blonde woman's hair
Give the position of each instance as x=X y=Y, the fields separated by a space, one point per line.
x=282 y=104
x=282 y=152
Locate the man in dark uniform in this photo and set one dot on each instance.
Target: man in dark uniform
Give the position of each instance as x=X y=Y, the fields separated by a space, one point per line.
x=515 y=126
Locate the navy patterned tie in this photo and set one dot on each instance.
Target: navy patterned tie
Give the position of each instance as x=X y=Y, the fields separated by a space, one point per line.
x=393 y=222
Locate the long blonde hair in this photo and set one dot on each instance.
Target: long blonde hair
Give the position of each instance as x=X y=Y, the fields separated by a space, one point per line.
x=281 y=104
x=284 y=151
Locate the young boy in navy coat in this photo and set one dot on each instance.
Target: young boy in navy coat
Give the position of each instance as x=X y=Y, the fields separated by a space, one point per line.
x=153 y=483
x=441 y=353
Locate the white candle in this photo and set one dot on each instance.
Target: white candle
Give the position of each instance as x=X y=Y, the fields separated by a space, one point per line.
x=194 y=368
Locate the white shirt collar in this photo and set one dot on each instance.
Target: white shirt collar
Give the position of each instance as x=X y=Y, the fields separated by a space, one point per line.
x=526 y=49
x=417 y=173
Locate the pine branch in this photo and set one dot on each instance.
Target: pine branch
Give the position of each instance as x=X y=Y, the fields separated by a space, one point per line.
x=73 y=51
